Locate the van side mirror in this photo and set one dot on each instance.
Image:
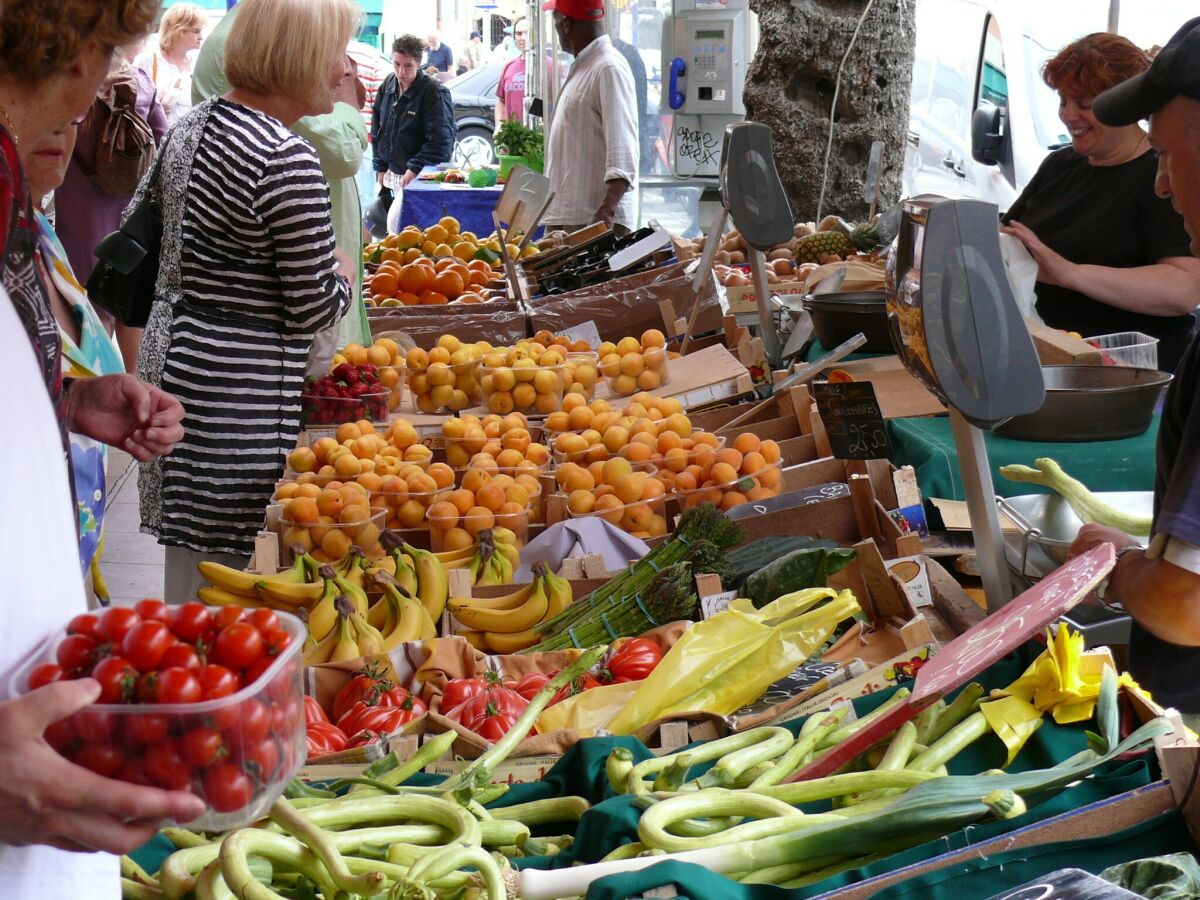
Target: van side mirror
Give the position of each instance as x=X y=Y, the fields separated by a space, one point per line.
x=988 y=133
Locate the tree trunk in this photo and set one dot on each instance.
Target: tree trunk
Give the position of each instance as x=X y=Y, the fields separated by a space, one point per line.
x=790 y=87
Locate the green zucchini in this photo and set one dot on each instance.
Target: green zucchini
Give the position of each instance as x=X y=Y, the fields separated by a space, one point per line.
x=747 y=559
x=795 y=571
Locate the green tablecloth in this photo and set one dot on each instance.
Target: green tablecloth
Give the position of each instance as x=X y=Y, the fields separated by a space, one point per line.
x=816 y=350
x=927 y=445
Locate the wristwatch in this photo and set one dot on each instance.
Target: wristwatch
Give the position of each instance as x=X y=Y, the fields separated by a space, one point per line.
x=1115 y=607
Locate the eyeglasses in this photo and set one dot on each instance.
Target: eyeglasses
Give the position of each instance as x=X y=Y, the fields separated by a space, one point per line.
x=80 y=119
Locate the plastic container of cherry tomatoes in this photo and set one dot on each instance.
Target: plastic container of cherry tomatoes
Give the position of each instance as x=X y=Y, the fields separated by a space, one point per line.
x=237 y=753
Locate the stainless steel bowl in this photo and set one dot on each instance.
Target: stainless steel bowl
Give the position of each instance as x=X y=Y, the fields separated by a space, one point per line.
x=1090 y=403
x=1048 y=523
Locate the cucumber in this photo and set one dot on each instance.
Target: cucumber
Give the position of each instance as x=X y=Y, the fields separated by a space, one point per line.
x=747 y=559
x=795 y=571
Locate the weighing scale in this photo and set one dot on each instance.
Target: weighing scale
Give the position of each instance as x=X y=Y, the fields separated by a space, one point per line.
x=957 y=329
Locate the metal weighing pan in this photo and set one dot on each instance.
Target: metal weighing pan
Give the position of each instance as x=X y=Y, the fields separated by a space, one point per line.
x=841 y=315
x=1047 y=522
x=1090 y=403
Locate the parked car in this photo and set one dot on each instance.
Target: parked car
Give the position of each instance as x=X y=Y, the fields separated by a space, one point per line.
x=474 y=95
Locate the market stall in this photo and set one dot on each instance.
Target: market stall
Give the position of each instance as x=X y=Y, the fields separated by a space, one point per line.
x=439 y=192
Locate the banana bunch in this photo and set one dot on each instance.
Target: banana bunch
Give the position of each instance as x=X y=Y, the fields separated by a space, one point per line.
x=494 y=558
x=399 y=617
x=506 y=624
x=351 y=637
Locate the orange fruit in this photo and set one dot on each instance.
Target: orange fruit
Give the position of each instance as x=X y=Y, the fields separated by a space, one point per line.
x=581 y=502
x=474 y=479
x=770 y=451
x=407 y=298
x=457 y=539
x=414 y=279
x=511 y=515
x=302 y=510
x=608 y=508
x=462 y=499
x=384 y=284
x=450 y=283
x=433 y=298
x=491 y=496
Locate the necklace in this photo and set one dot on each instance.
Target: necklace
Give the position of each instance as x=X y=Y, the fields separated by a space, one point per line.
x=12 y=129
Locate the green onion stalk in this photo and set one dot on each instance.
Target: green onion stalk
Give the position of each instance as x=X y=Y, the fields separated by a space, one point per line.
x=929 y=810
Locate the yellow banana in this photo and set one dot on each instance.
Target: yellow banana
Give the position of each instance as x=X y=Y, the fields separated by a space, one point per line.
x=506 y=621
x=508 y=601
x=377 y=614
x=335 y=641
x=368 y=638
x=560 y=594
x=290 y=594
x=322 y=615
x=405 y=575
x=215 y=596
x=387 y=563
x=504 y=567
x=355 y=593
x=511 y=553
x=475 y=639
x=320 y=652
x=489 y=574
x=448 y=556
x=229 y=579
x=498 y=642
x=346 y=646
x=503 y=535
x=406 y=621
x=432 y=585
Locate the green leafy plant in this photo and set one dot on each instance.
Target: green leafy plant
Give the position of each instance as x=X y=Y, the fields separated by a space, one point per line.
x=515 y=139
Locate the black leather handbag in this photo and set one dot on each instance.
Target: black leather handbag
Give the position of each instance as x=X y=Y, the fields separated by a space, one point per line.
x=127 y=260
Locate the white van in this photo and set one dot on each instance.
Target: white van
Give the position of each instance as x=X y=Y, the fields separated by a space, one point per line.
x=981 y=119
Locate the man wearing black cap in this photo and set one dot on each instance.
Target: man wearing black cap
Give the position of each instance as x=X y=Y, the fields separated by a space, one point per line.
x=1160 y=587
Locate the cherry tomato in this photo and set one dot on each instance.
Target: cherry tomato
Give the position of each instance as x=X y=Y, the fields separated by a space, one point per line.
x=178 y=685
x=147 y=688
x=61 y=734
x=286 y=718
x=144 y=729
x=275 y=641
x=256 y=669
x=584 y=682
x=103 y=759
x=264 y=620
x=203 y=746
x=153 y=610
x=190 y=621
x=218 y=681
x=181 y=656
x=145 y=643
x=226 y=616
x=238 y=645
x=93 y=726
x=76 y=652
x=45 y=674
x=89 y=624
x=117 y=678
x=134 y=773
x=260 y=759
x=227 y=787
x=252 y=724
x=116 y=622
x=167 y=766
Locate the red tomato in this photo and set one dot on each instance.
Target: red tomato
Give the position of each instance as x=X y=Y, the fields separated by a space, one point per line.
x=117 y=678
x=256 y=670
x=227 y=788
x=252 y=724
x=218 y=681
x=260 y=759
x=61 y=734
x=76 y=652
x=89 y=624
x=44 y=674
x=487 y=719
x=167 y=767
x=145 y=643
x=116 y=622
x=178 y=685
x=384 y=719
x=153 y=610
x=631 y=660
x=93 y=726
x=459 y=690
x=203 y=746
x=529 y=686
x=181 y=656
x=275 y=640
x=366 y=685
x=264 y=620
x=584 y=682
x=286 y=718
x=364 y=737
x=238 y=645
x=324 y=737
x=147 y=688
x=103 y=759
x=313 y=711
x=226 y=616
x=134 y=773
x=144 y=729
x=190 y=621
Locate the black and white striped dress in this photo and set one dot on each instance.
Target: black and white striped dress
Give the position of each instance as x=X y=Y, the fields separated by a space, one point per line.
x=247 y=278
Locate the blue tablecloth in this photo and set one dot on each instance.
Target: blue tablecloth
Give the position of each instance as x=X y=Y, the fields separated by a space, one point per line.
x=427 y=201
x=928 y=446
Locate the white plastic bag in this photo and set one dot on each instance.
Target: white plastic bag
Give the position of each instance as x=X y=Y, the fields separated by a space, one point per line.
x=1022 y=275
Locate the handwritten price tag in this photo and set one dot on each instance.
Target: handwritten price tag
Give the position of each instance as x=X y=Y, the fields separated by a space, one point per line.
x=853 y=420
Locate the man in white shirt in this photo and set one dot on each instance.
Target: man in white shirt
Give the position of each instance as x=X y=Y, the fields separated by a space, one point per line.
x=592 y=156
x=49 y=805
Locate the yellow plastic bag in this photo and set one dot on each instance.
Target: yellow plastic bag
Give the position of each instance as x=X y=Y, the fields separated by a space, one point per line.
x=723 y=663
x=587 y=711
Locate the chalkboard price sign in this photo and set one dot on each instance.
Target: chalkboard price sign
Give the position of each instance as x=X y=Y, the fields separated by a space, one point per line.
x=853 y=420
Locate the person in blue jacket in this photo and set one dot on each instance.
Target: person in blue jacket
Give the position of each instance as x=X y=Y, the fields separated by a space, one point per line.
x=412 y=125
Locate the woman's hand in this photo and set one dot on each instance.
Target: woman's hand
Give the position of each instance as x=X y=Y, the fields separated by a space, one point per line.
x=1092 y=535
x=1052 y=268
x=122 y=411
x=46 y=799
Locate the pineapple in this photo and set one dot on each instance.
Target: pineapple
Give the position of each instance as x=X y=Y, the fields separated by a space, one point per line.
x=815 y=247
x=865 y=238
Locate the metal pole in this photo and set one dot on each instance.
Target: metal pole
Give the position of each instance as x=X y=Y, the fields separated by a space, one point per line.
x=1114 y=15
x=981 y=505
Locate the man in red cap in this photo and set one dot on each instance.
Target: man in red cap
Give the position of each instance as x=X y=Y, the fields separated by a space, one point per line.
x=592 y=154
x=1160 y=586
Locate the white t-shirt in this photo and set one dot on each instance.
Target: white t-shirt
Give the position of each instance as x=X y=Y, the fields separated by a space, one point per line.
x=40 y=592
x=174 y=84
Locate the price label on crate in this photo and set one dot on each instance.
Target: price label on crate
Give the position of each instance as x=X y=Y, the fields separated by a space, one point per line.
x=716 y=603
x=853 y=420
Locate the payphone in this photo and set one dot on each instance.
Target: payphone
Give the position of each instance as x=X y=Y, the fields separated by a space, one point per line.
x=707 y=47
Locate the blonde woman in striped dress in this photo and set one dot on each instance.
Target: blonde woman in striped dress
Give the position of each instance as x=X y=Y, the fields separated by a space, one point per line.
x=249 y=273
